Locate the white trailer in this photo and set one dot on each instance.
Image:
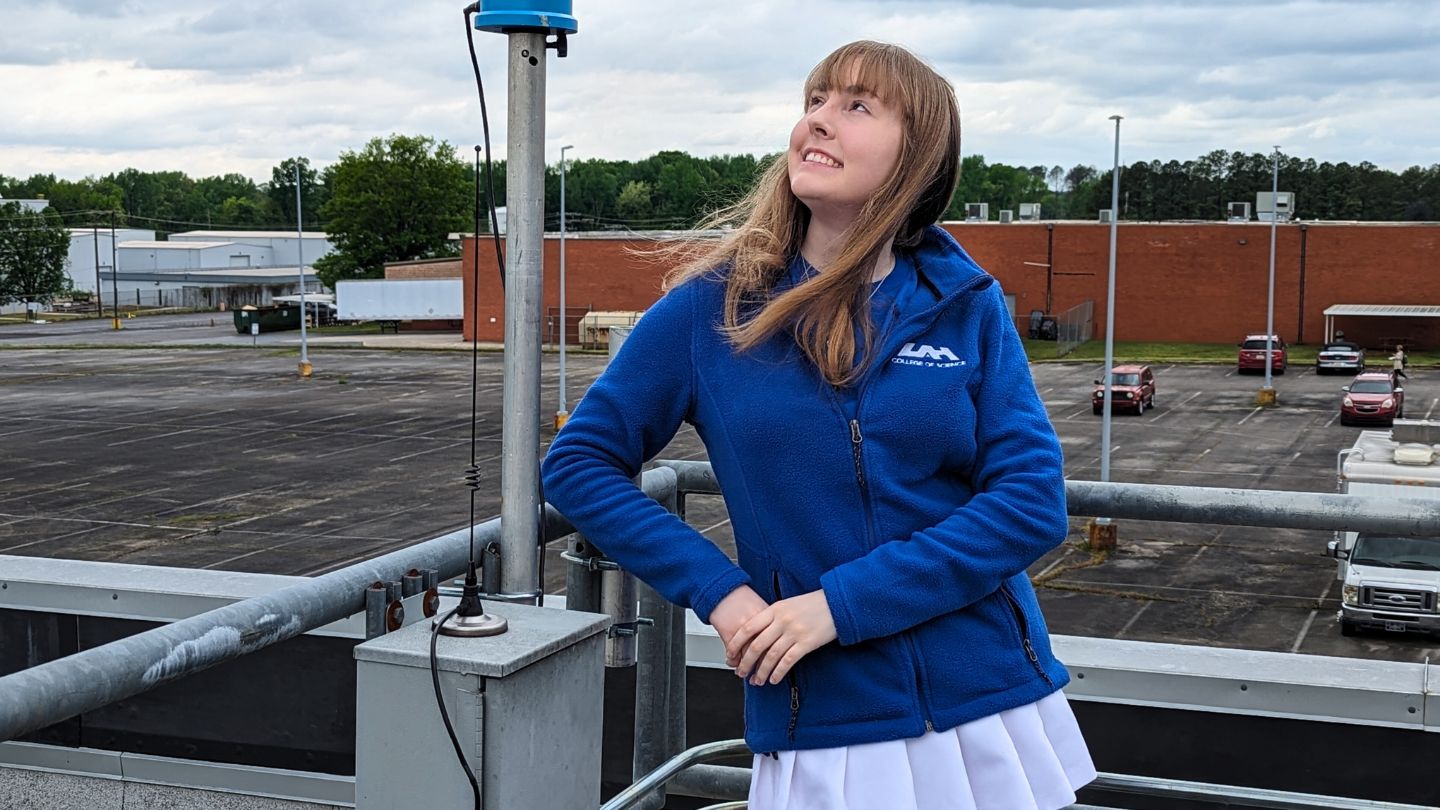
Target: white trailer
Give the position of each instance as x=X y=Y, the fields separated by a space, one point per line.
x=420 y=299
x=1390 y=582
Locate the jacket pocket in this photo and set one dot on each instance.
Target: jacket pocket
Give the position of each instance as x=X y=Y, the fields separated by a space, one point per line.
x=1022 y=630
x=792 y=678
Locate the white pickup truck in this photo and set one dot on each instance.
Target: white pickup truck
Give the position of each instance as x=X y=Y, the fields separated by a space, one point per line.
x=1389 y=582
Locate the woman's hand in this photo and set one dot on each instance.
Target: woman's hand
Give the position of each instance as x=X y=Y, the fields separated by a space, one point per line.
x=770 y=643
x=734 y=610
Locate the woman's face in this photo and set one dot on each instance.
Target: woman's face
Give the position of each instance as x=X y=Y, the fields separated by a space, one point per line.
x=843 y=149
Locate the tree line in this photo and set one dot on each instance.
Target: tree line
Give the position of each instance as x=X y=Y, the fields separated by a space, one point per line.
x=398 y=198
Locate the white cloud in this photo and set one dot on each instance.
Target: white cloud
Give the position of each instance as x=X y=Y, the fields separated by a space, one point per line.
x=93 y=87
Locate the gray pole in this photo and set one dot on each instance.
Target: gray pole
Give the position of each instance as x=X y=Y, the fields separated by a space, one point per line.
x=300 y=262
x=1110 y=308
x=564 y=411
x=524 y=242
x=99 y=286
x=114 y=275
x=1270 y=299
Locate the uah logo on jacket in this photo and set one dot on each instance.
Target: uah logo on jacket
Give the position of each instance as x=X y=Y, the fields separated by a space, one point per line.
x=923 y=354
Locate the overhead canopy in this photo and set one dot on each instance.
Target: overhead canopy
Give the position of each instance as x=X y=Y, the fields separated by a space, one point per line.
x=1375 y=311
x=1383 y=310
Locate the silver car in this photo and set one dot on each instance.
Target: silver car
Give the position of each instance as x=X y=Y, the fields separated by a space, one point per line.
x=1344 y=357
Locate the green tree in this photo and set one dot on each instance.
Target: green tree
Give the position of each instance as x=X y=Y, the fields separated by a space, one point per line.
x=33 y=247
x=633 y=202
x=397 y=199
x=280 y=191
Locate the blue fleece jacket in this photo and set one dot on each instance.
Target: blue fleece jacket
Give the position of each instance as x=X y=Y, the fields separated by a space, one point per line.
x=915 y=499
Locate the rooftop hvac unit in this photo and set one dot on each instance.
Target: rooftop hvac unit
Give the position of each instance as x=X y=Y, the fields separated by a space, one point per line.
x=1279 y=206
x=977 y=212
x=1106 y=215
x=1238 y=211
x=1006 y=215
x=1029 y=211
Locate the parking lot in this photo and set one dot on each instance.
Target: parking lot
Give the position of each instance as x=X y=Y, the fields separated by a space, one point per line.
x=222 y=458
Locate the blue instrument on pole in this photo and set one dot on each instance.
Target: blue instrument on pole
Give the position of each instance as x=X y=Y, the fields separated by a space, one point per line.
x=508 y=16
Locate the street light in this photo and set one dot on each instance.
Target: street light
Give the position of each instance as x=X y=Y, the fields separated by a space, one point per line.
x=305 y=369
x=1267 y=394
x=1102 y=531
x=562 y=413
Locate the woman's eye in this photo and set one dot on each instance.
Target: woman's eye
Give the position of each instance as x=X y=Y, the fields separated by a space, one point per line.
x=859 y=105
x=816 y=101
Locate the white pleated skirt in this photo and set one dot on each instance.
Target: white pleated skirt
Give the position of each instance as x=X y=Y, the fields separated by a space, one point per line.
x=1032 y=757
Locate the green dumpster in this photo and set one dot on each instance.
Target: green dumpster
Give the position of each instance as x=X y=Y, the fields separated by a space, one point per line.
x=271 y=319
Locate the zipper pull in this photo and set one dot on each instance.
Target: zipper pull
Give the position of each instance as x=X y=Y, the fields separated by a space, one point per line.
x=1030 y=651
x=855 y=441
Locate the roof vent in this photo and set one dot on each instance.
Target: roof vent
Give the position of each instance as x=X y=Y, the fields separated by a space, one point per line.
x=1415 y=455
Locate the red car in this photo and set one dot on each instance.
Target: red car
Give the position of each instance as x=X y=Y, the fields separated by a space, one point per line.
x=1252 y=354
x=1132 y=387
x=1373 y=397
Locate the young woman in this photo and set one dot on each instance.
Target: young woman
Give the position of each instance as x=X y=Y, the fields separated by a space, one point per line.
x=887 y=465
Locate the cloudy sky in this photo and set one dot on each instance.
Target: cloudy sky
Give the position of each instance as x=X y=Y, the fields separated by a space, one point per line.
x=208 y=87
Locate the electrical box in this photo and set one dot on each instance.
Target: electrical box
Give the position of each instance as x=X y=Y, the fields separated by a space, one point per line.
x=526 y=706
x=1279 y=206
x=1106 y=215
x=977 y=212
x=1006 y=215
x=1238 y=212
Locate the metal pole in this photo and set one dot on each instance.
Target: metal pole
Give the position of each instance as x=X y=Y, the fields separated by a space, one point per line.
x=563 y=413
x=114 y=276
x=300 y=268
x=1110 y=309
x=1270 y=295
x=99 y=285
x=524 y=243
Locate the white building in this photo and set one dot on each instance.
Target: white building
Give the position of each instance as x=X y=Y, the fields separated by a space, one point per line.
x=31 y=205
x=279 y=244
x=80 y=262
x=142 y=255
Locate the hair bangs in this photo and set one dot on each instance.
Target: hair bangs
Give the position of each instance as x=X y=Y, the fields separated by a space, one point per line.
x=861 y=68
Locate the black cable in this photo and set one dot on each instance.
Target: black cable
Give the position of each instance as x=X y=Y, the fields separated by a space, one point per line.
x=440 y=700
x=489 y=178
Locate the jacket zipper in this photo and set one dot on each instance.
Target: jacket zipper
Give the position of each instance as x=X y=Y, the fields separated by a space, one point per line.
x=1024 y=628
x=857 y=443
x=794 y=683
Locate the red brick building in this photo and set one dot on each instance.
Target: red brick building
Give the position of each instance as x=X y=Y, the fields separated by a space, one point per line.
x=1199 y=282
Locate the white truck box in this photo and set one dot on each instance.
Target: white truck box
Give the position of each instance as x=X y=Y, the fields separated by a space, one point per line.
x=419 y=299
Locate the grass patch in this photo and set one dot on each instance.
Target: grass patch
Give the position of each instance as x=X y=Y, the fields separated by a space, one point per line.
x=1041 y=351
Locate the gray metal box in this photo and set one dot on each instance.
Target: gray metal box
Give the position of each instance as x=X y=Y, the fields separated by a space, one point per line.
x=526 y=706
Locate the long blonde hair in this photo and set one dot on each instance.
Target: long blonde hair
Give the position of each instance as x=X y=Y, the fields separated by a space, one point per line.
x=770 y=222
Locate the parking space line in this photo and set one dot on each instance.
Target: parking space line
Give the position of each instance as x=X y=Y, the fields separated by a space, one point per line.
x=1333 y=417
x=1431 y=409
x=1129 y=624
x=47 y=491
x=1310 y=620
x=1248 y=415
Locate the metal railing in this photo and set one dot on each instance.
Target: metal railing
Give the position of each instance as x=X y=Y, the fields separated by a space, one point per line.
x=55 y=691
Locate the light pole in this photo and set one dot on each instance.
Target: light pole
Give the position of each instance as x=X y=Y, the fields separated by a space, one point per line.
x=305 y=369
x=1267 y=394
x=563 y=412
x=1102 y=531
x=114 y=276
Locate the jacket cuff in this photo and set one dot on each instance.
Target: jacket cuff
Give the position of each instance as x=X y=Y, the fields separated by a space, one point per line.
x=845 y=630
x=705 y=600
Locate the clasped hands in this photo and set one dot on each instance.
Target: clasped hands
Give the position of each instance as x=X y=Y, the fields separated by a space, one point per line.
x=763 y=642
